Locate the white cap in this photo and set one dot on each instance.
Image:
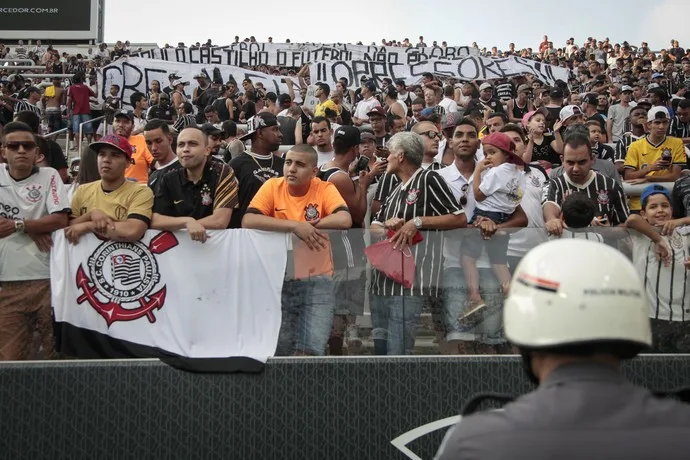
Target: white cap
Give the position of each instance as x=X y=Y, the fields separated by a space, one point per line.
x=176 y=82
x=569 y=111
x=658 y=113
x=601 y=61
x=588 y=293
x=653 y=86
x=485 y=86
x=625 y=88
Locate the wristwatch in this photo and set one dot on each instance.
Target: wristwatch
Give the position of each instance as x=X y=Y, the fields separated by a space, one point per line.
x=418 y=222
x=19 y=226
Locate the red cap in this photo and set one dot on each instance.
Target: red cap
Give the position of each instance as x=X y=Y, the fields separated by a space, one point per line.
x=115 y=141
x=503 y=142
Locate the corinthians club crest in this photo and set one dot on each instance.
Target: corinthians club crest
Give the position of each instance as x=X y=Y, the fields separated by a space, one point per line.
x=122 y=277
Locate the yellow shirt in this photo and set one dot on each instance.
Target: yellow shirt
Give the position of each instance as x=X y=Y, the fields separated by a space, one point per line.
x=142 y=160
x=130 y=200
x=642 y=153
x=320 y=110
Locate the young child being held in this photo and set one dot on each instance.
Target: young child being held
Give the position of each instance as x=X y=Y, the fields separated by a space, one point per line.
x=577 y=213
x=602 y=151
x=498 y=185
x=660 y=248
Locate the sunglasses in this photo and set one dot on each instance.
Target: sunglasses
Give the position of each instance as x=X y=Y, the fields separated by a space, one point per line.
x=432 y=135
x=463 y=198
x=14 y=146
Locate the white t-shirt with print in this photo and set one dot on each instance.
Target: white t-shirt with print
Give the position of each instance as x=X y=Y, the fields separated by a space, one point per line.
x=449 y=105
x=364 y=107
x=503 y=186
x=534 y=234
x=39 y=195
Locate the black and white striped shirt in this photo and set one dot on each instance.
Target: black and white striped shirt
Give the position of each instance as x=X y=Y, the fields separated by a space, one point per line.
x=26 y=106
x=386 y=184
x=184 y=121
x=424 y=194
x=623 y=145
x=679 y=129
x=604 y=192
x=666 y=287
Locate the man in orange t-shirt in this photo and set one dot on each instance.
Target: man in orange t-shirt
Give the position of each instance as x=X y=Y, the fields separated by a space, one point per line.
x=301 y=204
x=123 y=125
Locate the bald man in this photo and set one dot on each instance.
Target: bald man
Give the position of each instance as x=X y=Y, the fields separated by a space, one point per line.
x=432 y=136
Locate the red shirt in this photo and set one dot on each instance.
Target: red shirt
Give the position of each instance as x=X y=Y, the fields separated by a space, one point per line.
x=80 y=95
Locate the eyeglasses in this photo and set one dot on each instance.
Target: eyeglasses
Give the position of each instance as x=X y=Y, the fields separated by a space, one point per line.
x=432 y=134
x=14 y=146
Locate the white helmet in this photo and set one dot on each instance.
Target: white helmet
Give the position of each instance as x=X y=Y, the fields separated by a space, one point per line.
x=570 y=292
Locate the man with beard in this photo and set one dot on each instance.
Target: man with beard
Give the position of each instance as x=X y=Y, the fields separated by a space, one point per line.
x=214 y=139
x=199 y=196
x=138 y=170
x=162 y=110
x=159 y=142
x=199 y=97
x=253 y=168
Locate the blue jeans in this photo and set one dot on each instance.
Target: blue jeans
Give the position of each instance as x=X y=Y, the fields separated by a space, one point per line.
x=308 y=306
x=490 y=329
x=395 y=320
x=79 y=119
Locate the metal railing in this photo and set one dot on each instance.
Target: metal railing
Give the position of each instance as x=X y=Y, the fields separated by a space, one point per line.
x=59 y=131
x=23 y=67
x=81 y=129
x=16 y=60
x=47 y=75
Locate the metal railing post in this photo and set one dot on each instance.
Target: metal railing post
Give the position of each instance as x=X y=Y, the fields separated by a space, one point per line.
x=81 y=128
x=55 y=133
x=16 y=60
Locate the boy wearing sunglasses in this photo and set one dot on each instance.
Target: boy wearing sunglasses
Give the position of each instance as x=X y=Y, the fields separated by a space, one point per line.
x=33 y=203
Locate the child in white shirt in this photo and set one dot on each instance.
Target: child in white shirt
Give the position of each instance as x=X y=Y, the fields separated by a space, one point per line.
x=498 y=186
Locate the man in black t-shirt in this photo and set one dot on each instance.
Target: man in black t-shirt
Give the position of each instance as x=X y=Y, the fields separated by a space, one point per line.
x=589 y=104
x=163 y=110
x=253 y=168
x=485 y=101
x=55 y=158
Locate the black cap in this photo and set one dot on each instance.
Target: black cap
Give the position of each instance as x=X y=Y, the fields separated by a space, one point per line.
x=210 y=129
x=556 y=93
x=124 y=113
x=259 y=121
x=590 y=99
x=348 y=135
x=284 y=99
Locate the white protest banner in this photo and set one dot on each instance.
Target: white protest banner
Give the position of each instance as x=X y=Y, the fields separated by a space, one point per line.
x=167 y=295
x=310 y=101
x=291 y=55
x=136 y=74
x=467 y=69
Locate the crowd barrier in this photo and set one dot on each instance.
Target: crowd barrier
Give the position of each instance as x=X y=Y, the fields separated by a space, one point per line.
x=298 y=408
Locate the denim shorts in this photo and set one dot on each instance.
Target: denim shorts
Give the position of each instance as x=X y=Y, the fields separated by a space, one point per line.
x=79 y=119
x=308 y=307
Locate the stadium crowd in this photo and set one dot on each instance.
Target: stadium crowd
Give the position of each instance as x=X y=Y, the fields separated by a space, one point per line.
x=461 y=178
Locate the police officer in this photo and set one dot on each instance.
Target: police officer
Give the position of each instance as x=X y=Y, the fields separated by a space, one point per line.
x=573 y=328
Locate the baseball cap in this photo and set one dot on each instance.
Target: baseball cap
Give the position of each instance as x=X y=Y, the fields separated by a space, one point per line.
x=449 y=120
x=115 y=141
x=528 y=116
x=486 y=85
x=556 y=93
x=124 y=113
x=348 y=135
x=626 y=89
x=657 y=75
x=569 y=111
x=200 y=75
x=654 y=189
x=259 y=121
x=601 y=61
x=652 y=86
x=370 y=85
x=426 y=112
x=378 y=110
x=522 y=88
x=177 y=82
x=210 y=129
x=503 y=142
x=590 y=98
x=284 y=99
x=365 y=135
x=658 y=113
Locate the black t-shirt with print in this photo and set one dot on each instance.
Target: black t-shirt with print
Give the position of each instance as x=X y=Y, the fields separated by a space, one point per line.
x=544 y=152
